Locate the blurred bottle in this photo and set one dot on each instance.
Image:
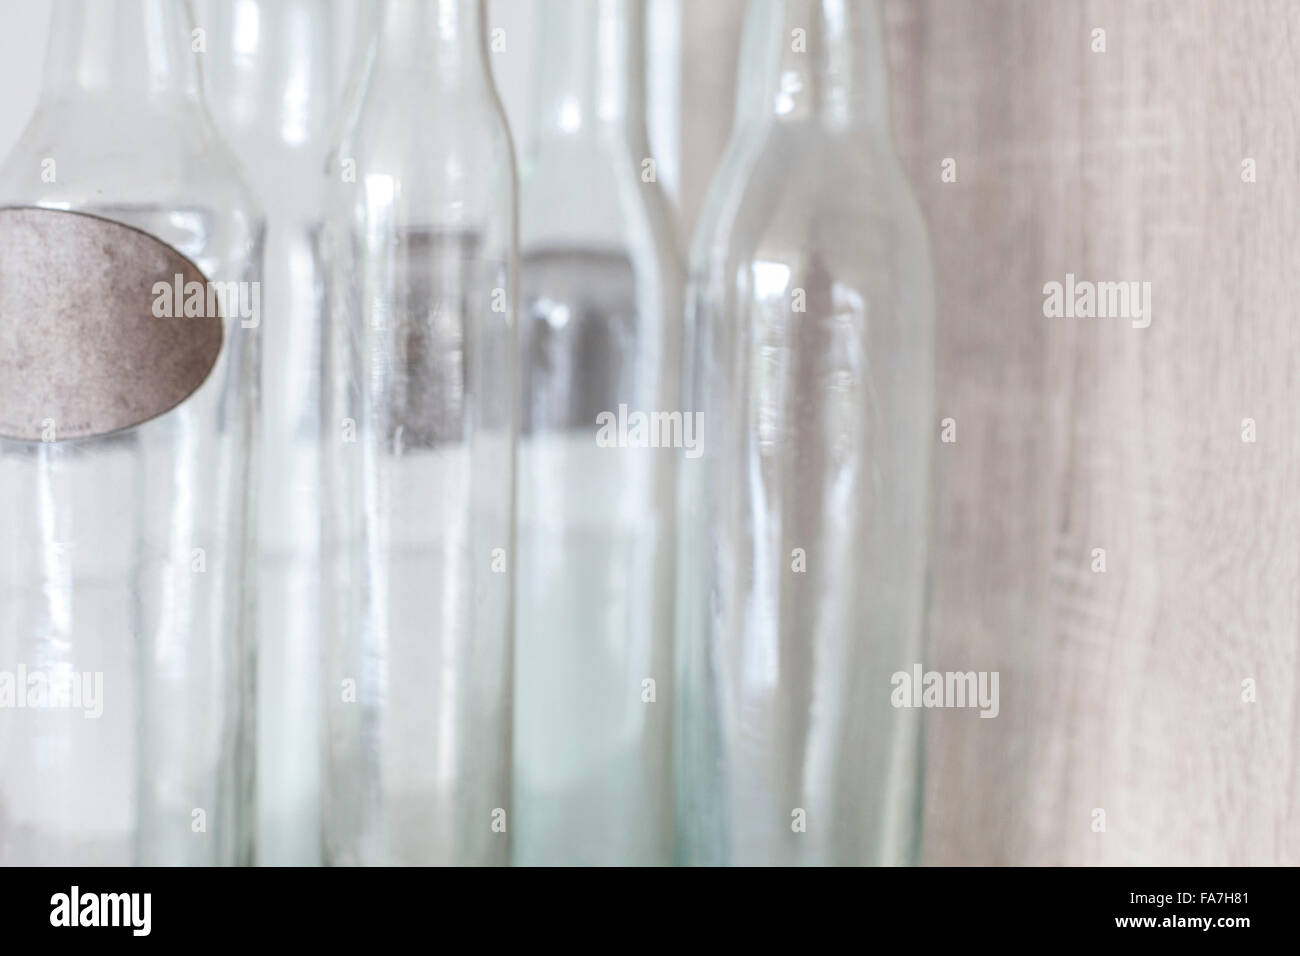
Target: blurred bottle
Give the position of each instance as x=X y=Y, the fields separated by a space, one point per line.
x=125 y=552
x=272 y=82
x=601 y=326
x=803 y=526
x=420 y=392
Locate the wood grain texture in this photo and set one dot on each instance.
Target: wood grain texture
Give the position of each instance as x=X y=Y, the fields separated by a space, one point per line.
x=1119 y=690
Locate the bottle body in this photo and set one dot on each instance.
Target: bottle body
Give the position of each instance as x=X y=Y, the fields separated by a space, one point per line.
x=803 y=524
x=273 y=96
x=125 y=556
x=418 y=436
x=601 y=303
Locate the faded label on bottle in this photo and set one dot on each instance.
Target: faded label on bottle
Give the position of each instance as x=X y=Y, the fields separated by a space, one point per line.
x=102 y=326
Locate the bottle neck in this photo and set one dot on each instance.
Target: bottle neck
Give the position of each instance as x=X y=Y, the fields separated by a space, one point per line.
x=590 y=70
x=820 y=61
x=132 y=50
x=270 y=70
x=443 y=40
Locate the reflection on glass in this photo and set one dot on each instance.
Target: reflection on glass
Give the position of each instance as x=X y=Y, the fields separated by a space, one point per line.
x=418 y=431
x=600 y=330
x=802 y=526
x=126 y=555
x=271 y=81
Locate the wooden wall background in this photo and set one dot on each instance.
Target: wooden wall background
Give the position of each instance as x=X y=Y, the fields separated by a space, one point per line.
x=1120 y=691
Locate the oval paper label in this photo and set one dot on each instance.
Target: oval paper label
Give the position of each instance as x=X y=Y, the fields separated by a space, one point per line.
x=83 y=349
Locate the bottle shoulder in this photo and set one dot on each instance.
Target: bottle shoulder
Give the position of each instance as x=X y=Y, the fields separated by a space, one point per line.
x=442 y=159
x=170 y=175
x=796 y=194
x=397 y=117
x=572 y=194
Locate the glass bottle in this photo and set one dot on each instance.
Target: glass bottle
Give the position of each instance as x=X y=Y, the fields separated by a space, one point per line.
x=803 y=524
x=271 y=75
x=601 y=324
x=418 y=448
x=124 y=554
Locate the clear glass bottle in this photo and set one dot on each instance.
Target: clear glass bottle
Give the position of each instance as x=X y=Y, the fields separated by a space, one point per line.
x=803 y=526
x=124 y=554
x=418 y=437
x=272 y=82
x=601 y=325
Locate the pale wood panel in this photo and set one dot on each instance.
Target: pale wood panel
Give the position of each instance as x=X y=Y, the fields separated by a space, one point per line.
x=1122 y=690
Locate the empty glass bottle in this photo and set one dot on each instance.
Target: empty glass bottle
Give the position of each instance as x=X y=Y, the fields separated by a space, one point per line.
x=418 y=447
x=271 y=77
x=803 y=525
x=601 y=330
x=126 y=413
